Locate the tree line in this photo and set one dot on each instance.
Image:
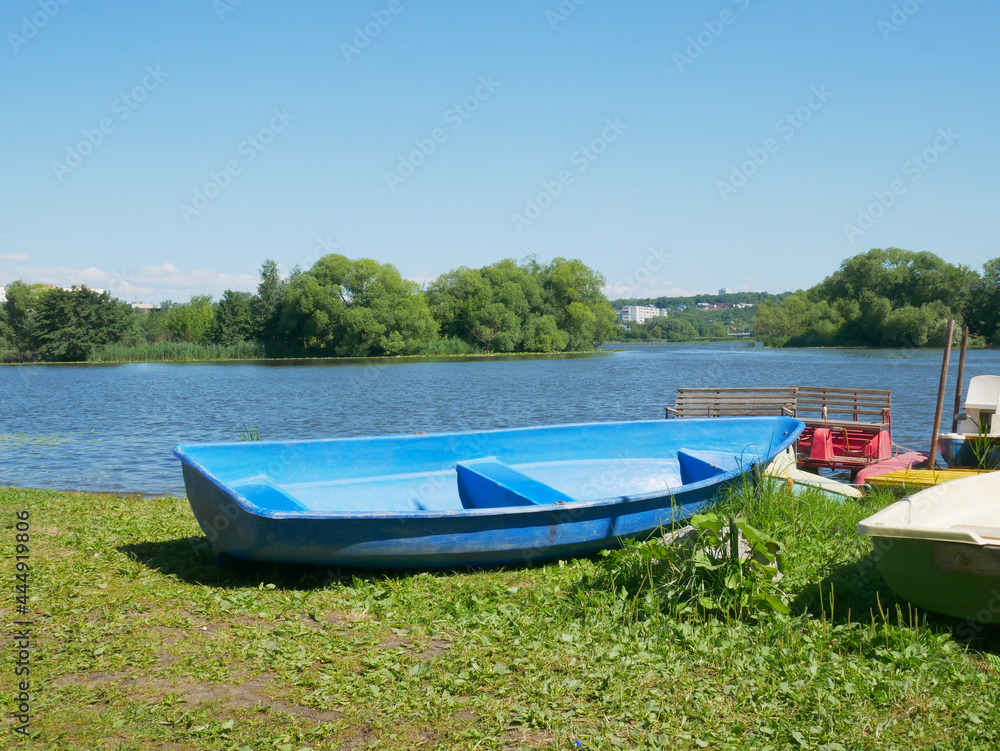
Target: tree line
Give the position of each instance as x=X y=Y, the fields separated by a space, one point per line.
x=339 y=307
x=693 y=323
x=887 y=298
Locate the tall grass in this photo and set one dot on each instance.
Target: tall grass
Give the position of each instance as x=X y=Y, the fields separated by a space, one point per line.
x=176 y=352
x=147 y=643
x=449 y=347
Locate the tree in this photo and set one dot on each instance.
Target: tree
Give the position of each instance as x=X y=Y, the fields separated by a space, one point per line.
x=234 y=320
x=68 y=325
x=266 y=306
x=21 y=305
x=881 y=298
x=356 y=308
x=192 y=321
x=498 y=308
x=573 y=297
x=6 y=333
x=984 y=308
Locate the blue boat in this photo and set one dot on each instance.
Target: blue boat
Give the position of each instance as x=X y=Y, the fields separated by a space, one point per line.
x=454 y=500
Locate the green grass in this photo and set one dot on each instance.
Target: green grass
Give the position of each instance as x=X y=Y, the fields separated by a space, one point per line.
x=143 y=642
x=176 y=352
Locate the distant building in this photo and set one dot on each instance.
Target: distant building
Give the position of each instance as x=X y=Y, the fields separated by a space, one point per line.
x=639 y=313
x=725 y=291
x=144 y=306
x=3 y=295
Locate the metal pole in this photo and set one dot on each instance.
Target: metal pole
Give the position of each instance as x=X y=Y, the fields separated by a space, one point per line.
x=942 y=384
x=961 y=375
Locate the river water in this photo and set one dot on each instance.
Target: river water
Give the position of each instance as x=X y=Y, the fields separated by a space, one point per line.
x=111 y=427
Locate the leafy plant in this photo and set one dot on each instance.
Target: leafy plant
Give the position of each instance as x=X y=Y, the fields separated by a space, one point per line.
x=251 y=433
x=704 y=569
x=982 y=444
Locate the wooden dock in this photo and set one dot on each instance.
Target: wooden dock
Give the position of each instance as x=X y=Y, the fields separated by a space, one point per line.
x=919 y=479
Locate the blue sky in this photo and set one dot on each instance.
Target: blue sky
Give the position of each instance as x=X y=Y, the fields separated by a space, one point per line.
x=161 y=150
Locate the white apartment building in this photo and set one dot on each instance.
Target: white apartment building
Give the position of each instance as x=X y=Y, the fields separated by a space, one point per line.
x=639 y=313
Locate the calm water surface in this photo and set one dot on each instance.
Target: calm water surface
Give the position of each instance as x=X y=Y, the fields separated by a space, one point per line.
x=111 y=427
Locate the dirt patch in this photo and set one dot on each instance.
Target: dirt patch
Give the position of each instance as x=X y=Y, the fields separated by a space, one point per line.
x=434 y=649
x=528 y=738
x=363 y=738
x=395 y=643
x=87 y=679
x=247 y=695
x=340 y=617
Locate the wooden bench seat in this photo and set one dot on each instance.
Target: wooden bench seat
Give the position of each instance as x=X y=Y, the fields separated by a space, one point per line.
x=845 y=428
x=725 y=402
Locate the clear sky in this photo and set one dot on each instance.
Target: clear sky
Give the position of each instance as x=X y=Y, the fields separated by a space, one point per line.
x=161 y=150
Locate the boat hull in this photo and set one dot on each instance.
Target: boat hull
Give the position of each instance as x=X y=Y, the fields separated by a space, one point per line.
x=252 y=500
x=957 y=451
x=940 y=577
x=940 y=548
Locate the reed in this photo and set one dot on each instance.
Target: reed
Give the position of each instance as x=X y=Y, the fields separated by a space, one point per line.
x=176 y=352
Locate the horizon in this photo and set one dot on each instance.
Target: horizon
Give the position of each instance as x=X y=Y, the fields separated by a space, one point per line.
x=756 y=145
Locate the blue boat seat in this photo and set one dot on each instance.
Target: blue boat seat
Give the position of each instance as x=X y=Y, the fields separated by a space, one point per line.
x=489 y=483
x=266 y=496
x=696 y=466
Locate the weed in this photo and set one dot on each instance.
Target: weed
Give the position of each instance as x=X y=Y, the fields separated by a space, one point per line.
x=251 y=433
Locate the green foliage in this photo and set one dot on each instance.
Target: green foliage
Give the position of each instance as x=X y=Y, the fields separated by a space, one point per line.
x=163 y=351
x=234 y=320
x=507 y=307
x=68 y=325
x=7 y=344
x=984 y=312
x=266 y=306
x=573 y=296
x=251 y=433
x=703 y=572
x=882 y=298
x=143 y=633
x=355 y=308
x=192 y=321
x=20 y=308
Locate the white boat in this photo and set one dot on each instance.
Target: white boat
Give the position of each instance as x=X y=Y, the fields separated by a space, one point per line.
x=940 y=548
x=977 y=442
x=785 y=470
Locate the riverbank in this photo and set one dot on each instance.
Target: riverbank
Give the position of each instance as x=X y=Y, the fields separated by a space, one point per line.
x=140 y=641
x=236 y=354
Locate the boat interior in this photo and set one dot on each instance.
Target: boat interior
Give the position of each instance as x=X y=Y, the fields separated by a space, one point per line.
x=488 y=482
